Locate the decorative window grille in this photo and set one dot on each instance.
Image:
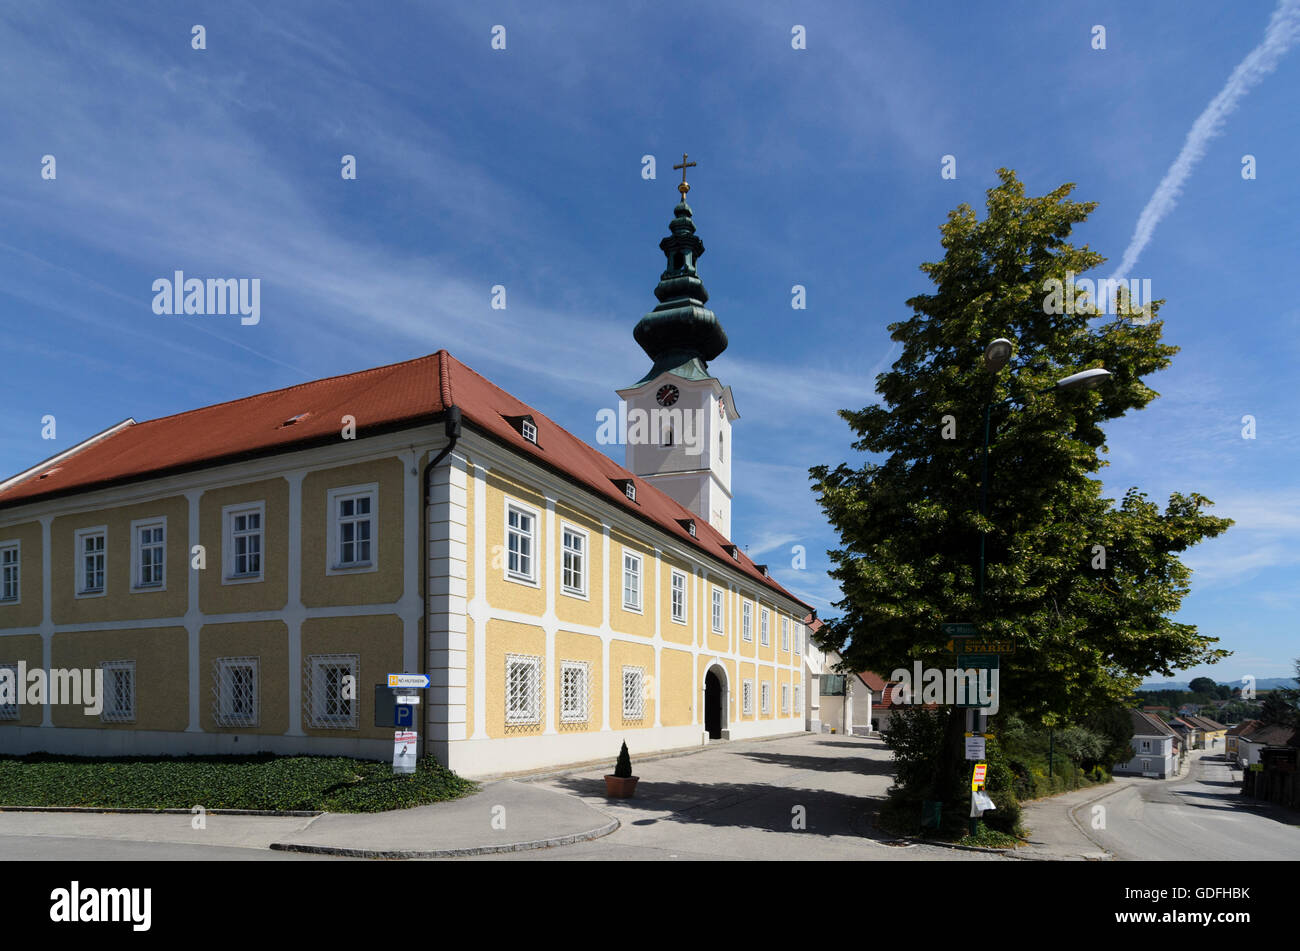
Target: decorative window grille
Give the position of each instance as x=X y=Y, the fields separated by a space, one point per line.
x=717 y=610
x=523 y=689
x=765 y=698
x=92 y=549
x=9 y=573
x=9 y=688
x=246 y=542
x=633 y=693
x=574 y=693
x=747 y=621
x=331 y=695
x=631 y=581
x=234 y=691
x=520 y=543
x=355 y=522
x=119 y=691
x=785 y=633
x=747 y=697
x=150 y=548
x=785 y=699
x=574 y=573
x=764 y=624
x=679 y=597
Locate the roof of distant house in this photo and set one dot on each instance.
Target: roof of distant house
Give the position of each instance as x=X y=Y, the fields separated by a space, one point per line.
x=398 y=396
x=1146 y=725
x=1244 y=728
x=873 y=680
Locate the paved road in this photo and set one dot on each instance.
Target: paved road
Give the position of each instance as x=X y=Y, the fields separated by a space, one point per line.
x=1203 y=816
x=799 y=798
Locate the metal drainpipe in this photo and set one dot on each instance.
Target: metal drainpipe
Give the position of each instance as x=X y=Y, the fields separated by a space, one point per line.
x=452 y=429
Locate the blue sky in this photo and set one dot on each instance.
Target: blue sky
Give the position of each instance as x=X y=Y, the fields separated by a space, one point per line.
x=522 y=167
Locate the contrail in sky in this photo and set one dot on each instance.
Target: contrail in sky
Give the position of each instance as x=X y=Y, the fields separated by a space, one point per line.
x=1282 y=33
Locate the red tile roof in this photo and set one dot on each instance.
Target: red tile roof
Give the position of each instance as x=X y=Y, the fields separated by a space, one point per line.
x=396 y=396
x=873 y=680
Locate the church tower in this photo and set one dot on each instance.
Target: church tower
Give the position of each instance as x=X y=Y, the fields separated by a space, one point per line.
x=679 y=416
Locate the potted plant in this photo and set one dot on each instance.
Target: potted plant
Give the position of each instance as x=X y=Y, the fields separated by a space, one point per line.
x=622 y=784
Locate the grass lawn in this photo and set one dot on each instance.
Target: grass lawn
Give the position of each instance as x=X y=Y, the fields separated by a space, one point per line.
x=329 y=783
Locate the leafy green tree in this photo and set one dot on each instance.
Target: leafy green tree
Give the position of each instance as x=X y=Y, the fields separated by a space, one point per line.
x=1205 y=686
x=1089 y=622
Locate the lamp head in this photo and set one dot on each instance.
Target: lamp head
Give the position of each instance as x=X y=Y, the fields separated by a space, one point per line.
x=997 y=354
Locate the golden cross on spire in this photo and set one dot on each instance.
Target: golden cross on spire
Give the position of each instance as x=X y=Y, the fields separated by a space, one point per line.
x=684 y=187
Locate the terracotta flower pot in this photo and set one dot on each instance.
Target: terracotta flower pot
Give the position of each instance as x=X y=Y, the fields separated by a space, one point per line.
x=618 y=787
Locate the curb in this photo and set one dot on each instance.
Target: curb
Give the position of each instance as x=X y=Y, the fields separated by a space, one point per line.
x=570 y=839
x=169 y=812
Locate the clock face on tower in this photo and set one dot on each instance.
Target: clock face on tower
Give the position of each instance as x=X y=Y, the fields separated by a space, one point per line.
x=667 y=395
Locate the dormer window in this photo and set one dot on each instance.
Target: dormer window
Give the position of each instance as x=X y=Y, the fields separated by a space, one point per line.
x=295 y=419
x=763 y=569
x=525 y=426
x=689 y=525
x=628 y=487
x=733 y=551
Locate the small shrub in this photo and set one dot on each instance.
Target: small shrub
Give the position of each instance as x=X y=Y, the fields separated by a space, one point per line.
x=623 y=767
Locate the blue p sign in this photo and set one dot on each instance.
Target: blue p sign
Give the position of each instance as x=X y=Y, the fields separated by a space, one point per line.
x=404 y=716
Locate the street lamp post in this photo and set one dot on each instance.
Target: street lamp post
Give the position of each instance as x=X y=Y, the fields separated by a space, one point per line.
x=996 y=356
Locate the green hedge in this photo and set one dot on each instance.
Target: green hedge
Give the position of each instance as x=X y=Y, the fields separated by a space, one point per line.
x=263 y=782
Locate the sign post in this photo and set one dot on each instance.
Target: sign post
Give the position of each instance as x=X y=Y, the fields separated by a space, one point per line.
x=406 y=715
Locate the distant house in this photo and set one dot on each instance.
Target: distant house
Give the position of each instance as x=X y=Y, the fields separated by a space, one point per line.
x=1189 y=709
x=1250 y=747
x=1153 y=748
x=1212 y=732
x=866 y=715
x=836 y=702
x=1232 y=744
x=1274 y=777
x=1188 y=733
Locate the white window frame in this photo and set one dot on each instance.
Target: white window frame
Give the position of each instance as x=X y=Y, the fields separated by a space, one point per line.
x=223 y=696
x=718 y=618
x=765 y=636
x=633 y=566
x=747 y=698
x=584 y=559
x=137 y=549
x=785 y=634
x=10 y=711
x=679 y=604
x=79 y=562
x=764 y=623
x=16 y=546
x=575 y=705
x=747 y=621
x=533 y=535
x=765 y=697
x=110 y=712
x=798 y=698
x=634 y=694
x=334 y=529
x=785 y=700
x=798 y=638
x=531 y=713
x=1146 y=746
x=228 y=556
x=320 y=719
x=528 y=429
